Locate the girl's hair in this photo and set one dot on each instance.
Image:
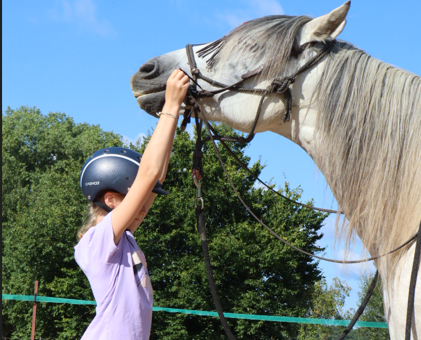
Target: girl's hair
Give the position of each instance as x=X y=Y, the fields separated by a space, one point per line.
x=93 y=211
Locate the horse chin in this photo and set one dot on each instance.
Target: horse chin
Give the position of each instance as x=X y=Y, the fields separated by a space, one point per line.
x=152 y=102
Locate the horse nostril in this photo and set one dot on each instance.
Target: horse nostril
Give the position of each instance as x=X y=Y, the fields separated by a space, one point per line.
x=146 y=68
x=149 y=70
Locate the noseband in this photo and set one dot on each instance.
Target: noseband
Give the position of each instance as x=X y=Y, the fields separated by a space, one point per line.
x=278 y=85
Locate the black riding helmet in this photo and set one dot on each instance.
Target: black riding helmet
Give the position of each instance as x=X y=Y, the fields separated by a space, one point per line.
x=113 y=169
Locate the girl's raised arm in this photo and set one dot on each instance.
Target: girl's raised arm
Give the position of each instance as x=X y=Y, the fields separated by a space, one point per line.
x=155 y=157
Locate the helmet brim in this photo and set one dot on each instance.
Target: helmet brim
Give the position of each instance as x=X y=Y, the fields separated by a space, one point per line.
x=158 y=189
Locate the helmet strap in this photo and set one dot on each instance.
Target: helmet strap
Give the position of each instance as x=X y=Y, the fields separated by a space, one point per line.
x=102 y=205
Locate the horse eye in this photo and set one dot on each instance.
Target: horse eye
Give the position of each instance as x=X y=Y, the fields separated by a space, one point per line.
x=296 y=49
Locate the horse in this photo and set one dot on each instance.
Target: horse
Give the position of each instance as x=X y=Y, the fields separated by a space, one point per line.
x=357 y=117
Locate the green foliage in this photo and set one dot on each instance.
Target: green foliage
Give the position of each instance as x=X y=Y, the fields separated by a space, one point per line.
x=328 y=303
x=43 y=208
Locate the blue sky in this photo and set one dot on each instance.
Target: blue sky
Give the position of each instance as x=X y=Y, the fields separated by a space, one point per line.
x=77 y=57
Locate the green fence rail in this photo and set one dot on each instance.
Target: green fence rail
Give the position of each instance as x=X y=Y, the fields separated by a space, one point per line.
x=207 y=313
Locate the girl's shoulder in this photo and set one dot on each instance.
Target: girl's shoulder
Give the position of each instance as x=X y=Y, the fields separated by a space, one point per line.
x=99 y=233
x=98 y=242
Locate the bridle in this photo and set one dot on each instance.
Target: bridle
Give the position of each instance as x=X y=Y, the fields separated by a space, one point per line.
x=279 y=86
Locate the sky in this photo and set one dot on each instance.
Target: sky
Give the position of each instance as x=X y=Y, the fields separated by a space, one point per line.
x=77 y=57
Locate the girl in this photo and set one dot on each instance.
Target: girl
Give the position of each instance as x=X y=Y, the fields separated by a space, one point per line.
x=107 y=251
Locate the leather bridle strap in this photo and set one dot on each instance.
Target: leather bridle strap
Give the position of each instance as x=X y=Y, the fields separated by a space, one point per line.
x=213 y=138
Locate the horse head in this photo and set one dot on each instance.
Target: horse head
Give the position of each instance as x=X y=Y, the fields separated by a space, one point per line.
x=278 y=45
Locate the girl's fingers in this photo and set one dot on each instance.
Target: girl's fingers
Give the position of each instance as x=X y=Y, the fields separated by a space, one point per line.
x=177 y=85
x=174 y=74
x=185 y=79
x=178 y=75
x=179 y=80
x=187 y=83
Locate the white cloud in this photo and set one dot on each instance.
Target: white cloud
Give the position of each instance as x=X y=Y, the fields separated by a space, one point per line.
x=139 y=137
x=267 y=7
x=251 y=10
x=82 y=13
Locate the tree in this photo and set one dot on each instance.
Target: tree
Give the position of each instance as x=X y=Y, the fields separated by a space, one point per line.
x=327 y=303
x=43 y=208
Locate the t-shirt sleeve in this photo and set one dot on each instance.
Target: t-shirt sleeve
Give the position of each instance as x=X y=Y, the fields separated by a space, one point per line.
x=98 y=242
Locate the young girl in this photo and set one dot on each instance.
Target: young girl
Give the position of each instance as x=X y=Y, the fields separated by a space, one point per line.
x=107 y=251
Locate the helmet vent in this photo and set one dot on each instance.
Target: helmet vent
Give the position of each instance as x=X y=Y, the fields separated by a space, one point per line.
x=106 y=151
x=123 y=151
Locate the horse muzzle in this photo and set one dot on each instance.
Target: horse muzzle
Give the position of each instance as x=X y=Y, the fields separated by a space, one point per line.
x=148 y=86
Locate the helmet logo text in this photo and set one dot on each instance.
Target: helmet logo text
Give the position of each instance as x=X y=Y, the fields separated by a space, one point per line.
x=92 y=183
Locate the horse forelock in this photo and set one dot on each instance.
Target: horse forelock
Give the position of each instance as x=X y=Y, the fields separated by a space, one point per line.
x=368 y=130
x=268 y=40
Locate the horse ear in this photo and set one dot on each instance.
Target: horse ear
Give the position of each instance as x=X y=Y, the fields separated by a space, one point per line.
x=327 y=26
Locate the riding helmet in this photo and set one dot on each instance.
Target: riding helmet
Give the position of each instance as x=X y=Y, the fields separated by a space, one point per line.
x=113 y=169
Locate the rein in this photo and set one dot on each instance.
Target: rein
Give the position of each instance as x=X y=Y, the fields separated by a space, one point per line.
x=279 y=86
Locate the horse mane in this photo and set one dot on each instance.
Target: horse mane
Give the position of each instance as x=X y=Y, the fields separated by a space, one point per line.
x=268 y=40
x=369 y=134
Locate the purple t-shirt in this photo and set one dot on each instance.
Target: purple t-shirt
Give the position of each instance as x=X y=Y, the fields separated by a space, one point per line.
x=120 y=282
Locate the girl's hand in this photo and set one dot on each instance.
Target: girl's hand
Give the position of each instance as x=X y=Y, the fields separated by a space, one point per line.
x=177 y=85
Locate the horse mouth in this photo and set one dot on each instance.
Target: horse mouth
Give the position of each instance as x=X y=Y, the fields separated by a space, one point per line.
x=151 y=101
x=138 y=93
